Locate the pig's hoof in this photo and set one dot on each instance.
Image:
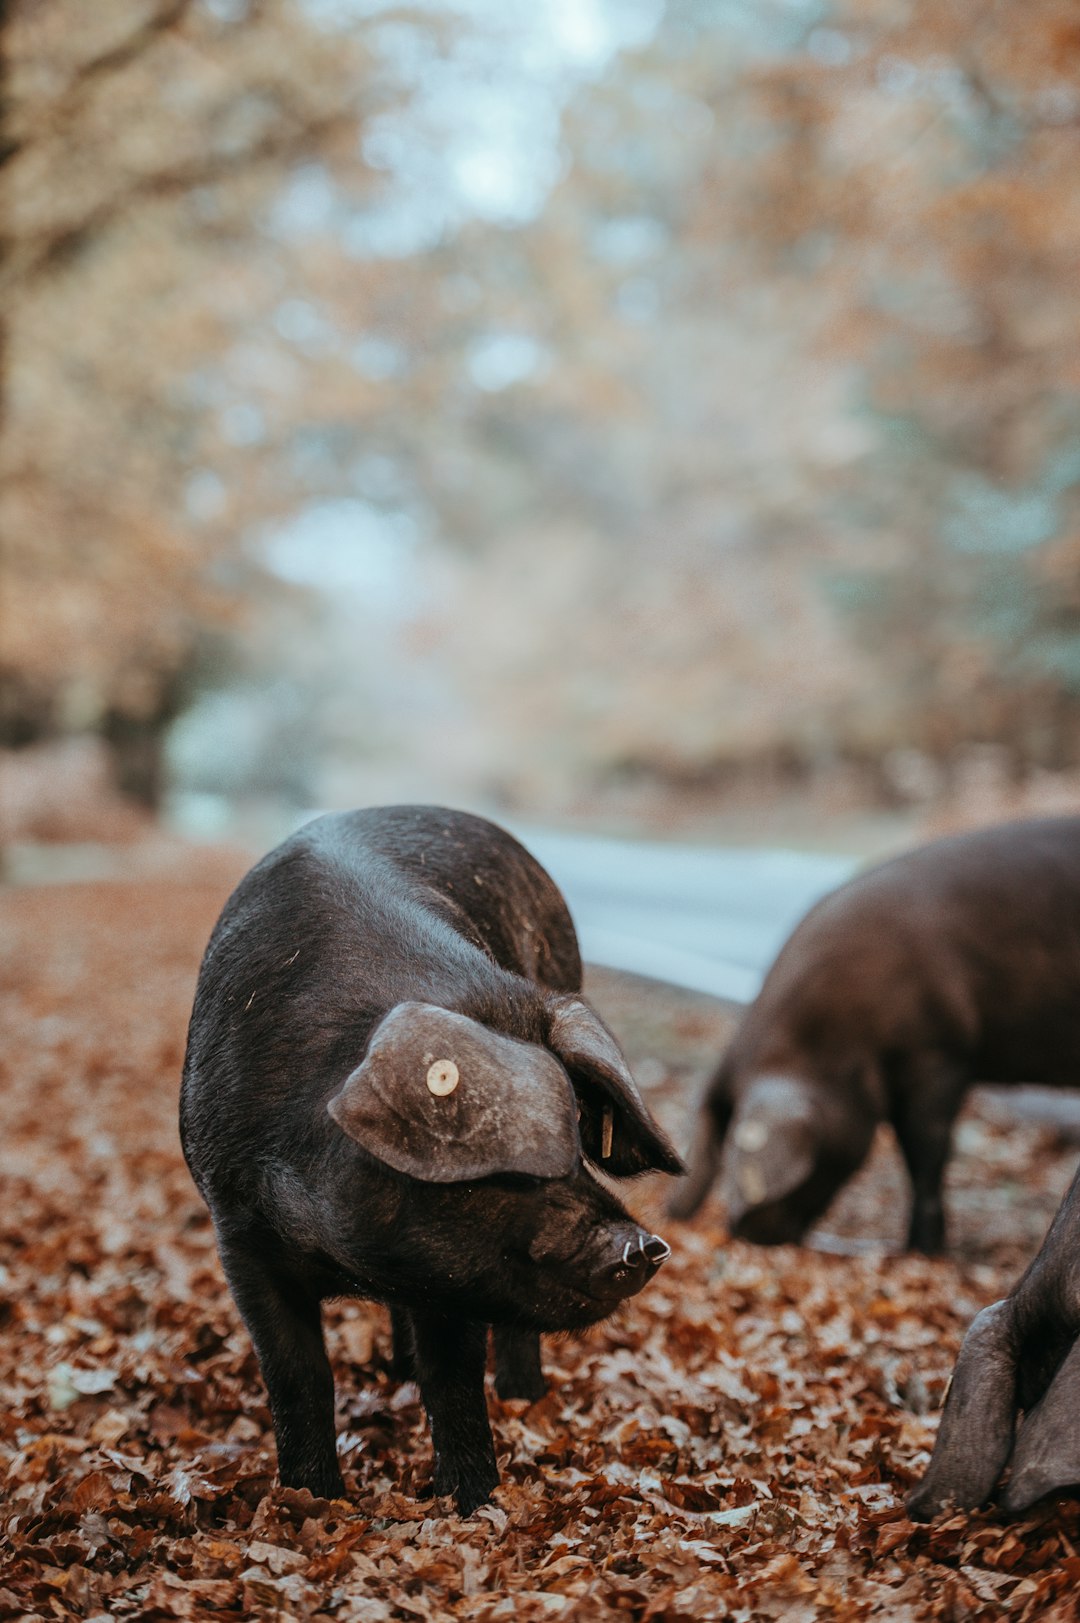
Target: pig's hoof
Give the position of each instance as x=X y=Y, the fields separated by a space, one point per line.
x=468 y=1489
x=470 y=1496
x=324 y=1483
x=923 y=1505
x=1025 y=1488
x=517 y=1385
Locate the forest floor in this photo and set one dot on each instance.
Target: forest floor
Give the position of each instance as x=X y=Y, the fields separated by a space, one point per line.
x=735 y=1444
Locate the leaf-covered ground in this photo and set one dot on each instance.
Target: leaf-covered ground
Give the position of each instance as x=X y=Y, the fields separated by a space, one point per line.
x=735 y=1444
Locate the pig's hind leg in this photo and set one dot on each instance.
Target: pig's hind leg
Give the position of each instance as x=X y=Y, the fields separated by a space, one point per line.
x=518 y=1373
x=285 y=1324
x=450 y=1356
x=402 y=1357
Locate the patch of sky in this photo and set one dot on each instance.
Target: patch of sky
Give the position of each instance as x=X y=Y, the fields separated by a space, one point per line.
x=768 y=28
x=206 y=388
x=929 y=300
x=637 y=300
x=204 y=496
x=459 y=293
x=898 y=77
x=381 y=478
x=226 y=11
x=252 y=366
x=401 y=227
x=242 y=424
x=949 y=84
x=205 y=204
x=936 y=79
x=813 y=250
x=316 y=452
x=348 y=549
x=829 y=47
x=378 y=359
x=309 y=203
x=496 y=360
x=303 y=324
x=986 y=518
x=477 y=131
x=629 y=239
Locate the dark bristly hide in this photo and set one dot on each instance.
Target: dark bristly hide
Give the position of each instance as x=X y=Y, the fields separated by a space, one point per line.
x=953 y=964
x=1014 y=1398
x=393 y=1089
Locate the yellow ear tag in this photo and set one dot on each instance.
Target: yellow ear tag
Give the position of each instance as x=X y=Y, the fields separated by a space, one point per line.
x=442 y=1078
x=607 y=1132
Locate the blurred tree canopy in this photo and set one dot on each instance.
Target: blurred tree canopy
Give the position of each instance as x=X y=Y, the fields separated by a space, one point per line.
x=142 y=137
x=630 y=387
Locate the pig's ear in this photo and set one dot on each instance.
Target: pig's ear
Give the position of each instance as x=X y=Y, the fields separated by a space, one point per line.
x=444 y=1099
x=976 y=1431
x=1046 y=1458
x=617 y=1132
x=772 y=1146
x=765 y=1162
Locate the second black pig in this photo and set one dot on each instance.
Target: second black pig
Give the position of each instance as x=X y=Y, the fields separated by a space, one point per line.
x=393 y=1089
x=955 y=963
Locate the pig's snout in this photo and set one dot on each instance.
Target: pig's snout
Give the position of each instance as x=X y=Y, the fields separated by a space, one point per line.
x=628 y=1258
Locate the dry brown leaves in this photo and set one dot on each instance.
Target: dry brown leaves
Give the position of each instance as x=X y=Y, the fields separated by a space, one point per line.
x=735 y=1445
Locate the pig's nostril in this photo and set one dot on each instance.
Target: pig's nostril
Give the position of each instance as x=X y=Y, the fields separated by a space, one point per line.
x=628 y=1265
x=656 y=1249
x=644 y=1248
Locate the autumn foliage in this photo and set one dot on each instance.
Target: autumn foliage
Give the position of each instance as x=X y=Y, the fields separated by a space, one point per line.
x=736 y=1443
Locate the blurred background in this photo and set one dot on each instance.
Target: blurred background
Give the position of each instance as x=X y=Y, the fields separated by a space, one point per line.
x=658 y=416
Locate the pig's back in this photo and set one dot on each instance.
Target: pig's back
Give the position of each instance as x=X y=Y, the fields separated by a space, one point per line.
x=971 y=944
x=355 y=913
x=476 y=876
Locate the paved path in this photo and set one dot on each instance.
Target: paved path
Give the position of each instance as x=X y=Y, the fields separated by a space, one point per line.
x=711 y=920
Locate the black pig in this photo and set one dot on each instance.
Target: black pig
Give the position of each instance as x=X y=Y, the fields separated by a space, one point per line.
x=1021 y=1355
x=955 y=963
x=392 y=1089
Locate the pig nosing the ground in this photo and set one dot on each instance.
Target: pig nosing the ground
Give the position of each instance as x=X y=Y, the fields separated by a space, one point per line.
x=955 y=963
x=394 y=1090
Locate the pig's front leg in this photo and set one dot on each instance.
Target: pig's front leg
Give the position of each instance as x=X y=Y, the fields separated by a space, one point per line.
x=450 y=1355
x=518 y=1373
x=286 y=1326
x=928 y=1097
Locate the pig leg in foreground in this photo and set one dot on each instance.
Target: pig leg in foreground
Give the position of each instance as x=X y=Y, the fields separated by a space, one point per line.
x=1020 y=1357
x=928 y=1096
x=450 y=1355
x=518 y=1373
x=286 y=1326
